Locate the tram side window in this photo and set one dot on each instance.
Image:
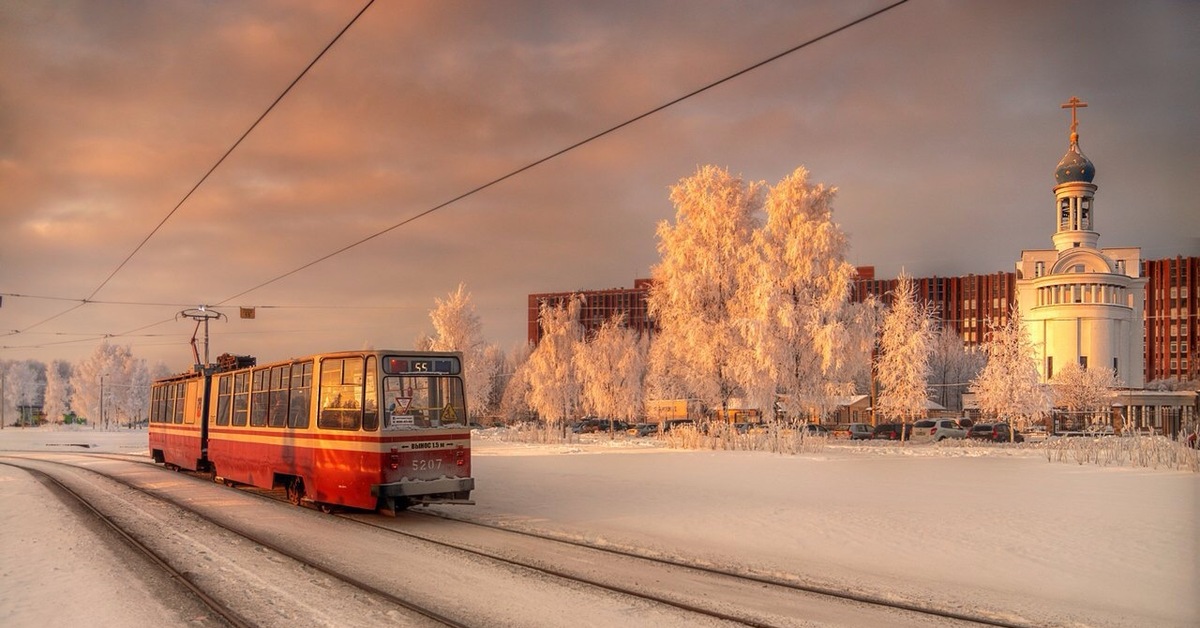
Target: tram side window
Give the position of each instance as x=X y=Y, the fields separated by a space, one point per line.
x=341 y=394
x=156 y=404
x=224 y=397
x=241 y=398
x=281 y=377
x=180 y=395
x=301 y=395
x=258 y=398
x=371 y=398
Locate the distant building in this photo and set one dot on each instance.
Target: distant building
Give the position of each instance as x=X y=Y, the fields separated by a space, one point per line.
x=1081 y=303
x=1171 y=309
x=965 y=304
x=1100 y=308
x=598 y=307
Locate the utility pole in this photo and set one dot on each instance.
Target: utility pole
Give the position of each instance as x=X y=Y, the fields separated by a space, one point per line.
x=102 y=400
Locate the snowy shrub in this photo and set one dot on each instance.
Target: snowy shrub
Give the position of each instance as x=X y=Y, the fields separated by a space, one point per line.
x=1156 y=452
x=771 y=437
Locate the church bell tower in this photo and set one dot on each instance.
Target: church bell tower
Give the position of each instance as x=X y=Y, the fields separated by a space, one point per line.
x=1081 y=303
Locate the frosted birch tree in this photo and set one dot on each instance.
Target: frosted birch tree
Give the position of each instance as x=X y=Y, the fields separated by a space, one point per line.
x=903 y=363
x=110 y=366
x=1082 y=392
x=457 y=327
x=793 y=300
x=57 y=402
x=24 y=384
x=128 y=392
x=951 y=367
x=612 y=371
x=863 y=321
x=695 y=284
x=1009 y=386
x=515 y=385
x=553 y=383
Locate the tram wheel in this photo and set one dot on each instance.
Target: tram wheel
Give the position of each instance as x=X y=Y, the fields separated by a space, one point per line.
x=295 y=491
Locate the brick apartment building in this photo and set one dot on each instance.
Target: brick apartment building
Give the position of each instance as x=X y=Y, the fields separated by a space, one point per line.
x=598 y=307
x=1171 y=318
x=965 y=304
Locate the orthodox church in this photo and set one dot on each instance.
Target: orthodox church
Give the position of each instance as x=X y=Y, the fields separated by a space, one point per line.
x=1081 y=303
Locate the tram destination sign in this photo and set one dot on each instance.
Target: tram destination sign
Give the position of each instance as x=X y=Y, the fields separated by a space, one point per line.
x=417 y=365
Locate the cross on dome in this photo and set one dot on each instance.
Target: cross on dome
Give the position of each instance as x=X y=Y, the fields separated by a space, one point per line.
x=1074 y=105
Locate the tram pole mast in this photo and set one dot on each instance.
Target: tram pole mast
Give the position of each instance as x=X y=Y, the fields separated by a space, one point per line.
x=202 y=315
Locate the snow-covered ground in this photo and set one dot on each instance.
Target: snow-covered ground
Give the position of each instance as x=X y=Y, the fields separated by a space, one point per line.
x=994 y=528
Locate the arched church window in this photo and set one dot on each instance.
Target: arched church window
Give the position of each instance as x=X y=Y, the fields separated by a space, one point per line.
x=1064 y=219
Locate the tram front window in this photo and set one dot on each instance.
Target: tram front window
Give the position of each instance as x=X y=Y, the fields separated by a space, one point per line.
x=422 y=402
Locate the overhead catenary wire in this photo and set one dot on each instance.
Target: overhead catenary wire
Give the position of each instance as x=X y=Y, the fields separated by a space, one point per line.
x=513 y=173
x=570 y=148
x=206 y=175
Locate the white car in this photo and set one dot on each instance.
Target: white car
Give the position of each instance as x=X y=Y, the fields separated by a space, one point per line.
x=937 y=429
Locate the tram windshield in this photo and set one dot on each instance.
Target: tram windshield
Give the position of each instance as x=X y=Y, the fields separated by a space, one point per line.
x=422 y=401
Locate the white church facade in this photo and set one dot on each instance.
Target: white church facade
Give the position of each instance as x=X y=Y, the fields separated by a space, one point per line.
x=1081 y=303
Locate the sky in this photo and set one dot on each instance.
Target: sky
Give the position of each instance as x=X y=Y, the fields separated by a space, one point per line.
x=939 y=122
x=997 y=531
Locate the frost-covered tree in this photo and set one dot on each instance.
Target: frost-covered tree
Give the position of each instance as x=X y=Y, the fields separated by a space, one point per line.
x=116 y=368
x=792 y=300
x=903 y=363
x=457 y=328
x=952 y=367
x=1082 y=392
x=696 y=282
x=515 y=385
x=612 y=370
x=24 y=384
x=58 y=391
x=1009 y=386
x=862 y=330
x=553 y=384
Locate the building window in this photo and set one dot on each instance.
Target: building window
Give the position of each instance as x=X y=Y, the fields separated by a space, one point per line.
x=1083 y=362
x=1039 y=269
x=1049 y=366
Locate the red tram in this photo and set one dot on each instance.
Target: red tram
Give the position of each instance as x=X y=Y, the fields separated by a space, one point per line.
x=365 y=429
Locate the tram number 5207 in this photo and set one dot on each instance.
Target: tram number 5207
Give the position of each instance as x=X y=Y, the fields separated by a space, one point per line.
x=427 y=465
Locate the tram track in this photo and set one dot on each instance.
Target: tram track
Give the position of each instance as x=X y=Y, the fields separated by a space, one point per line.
x=753 y=599
x=739 y=596
x=183 y=570
x=219 y=609
x=739 y=575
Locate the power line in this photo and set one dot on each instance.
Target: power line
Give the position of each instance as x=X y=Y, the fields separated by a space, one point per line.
x=207 y=174
x=570 y=148
x=470 y=192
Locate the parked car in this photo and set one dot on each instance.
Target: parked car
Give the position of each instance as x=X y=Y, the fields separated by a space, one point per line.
x=891 y=431
x=594 y=424
x=937 y=429
x=851 y=431
x=643 y=429
x=995 y=433
x=812 y=429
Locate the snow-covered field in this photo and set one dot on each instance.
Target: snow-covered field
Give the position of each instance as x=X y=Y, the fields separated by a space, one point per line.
x=974 y=527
